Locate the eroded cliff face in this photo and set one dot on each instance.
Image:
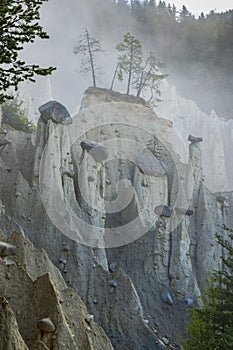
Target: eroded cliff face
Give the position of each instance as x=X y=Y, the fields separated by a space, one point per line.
x=38 y=310
x=188 y=118
x=120 y=205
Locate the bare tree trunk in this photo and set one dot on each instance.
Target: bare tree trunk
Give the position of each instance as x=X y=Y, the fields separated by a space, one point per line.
x=130 y=70
x=142 y=83
x=91 y=59
x=139 y=90
x=114 y=76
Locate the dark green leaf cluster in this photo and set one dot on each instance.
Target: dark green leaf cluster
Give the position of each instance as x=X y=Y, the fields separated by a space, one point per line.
x=211 y=327
x=14 y=115
x=18 y=26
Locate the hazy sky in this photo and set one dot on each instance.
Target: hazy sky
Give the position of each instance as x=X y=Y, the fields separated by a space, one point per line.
x=197 y=6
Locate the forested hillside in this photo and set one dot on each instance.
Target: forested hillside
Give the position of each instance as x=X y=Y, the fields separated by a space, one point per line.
x=198 y=52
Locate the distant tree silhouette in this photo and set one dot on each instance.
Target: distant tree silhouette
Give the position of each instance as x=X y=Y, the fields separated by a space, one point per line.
x=88 y=47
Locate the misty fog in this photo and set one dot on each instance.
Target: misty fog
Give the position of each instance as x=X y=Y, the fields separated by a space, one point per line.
x=65 y=21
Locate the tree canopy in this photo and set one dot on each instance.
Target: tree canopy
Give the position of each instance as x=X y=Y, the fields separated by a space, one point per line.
x=18 y=25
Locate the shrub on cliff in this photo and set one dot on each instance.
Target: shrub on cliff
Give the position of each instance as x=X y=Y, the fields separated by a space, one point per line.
x=14 y=114
x=211 y=327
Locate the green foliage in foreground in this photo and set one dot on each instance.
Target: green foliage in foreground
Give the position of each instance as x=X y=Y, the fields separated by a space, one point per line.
x=211 y=327
x=19 y=25
x=14 y=115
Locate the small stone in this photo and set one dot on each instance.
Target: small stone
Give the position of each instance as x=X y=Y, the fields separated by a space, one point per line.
x=89 y=319
x=221 y=199
x=68 y=173
x=90 y=179
x=112 y=267
x=157 y=252
x=144 y=183
x=8 y=277
x=194 y=139
x=178 y=291
x=63 y=261
x=172 y=347
x=164 y=210
x=189 y=301
x=146 y=321
x=161 y=343
x=113 y=283
x=9 y=262
x=66 y=248
x=46 y=325
x=167 y=298
x=7 y=249
x=183 y=211
x=95 y=301
x=165 y=340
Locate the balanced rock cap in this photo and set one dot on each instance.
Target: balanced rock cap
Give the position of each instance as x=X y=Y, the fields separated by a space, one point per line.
x=113 y=283
x=112 y=267
x=221 y=199
x=183 y=211
x=97 y=150
x=7 y=249
x=163 y=210
x=194 y=139
x=167 y=298
x=46 y=325
x=150 y=165
x=56 y=112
